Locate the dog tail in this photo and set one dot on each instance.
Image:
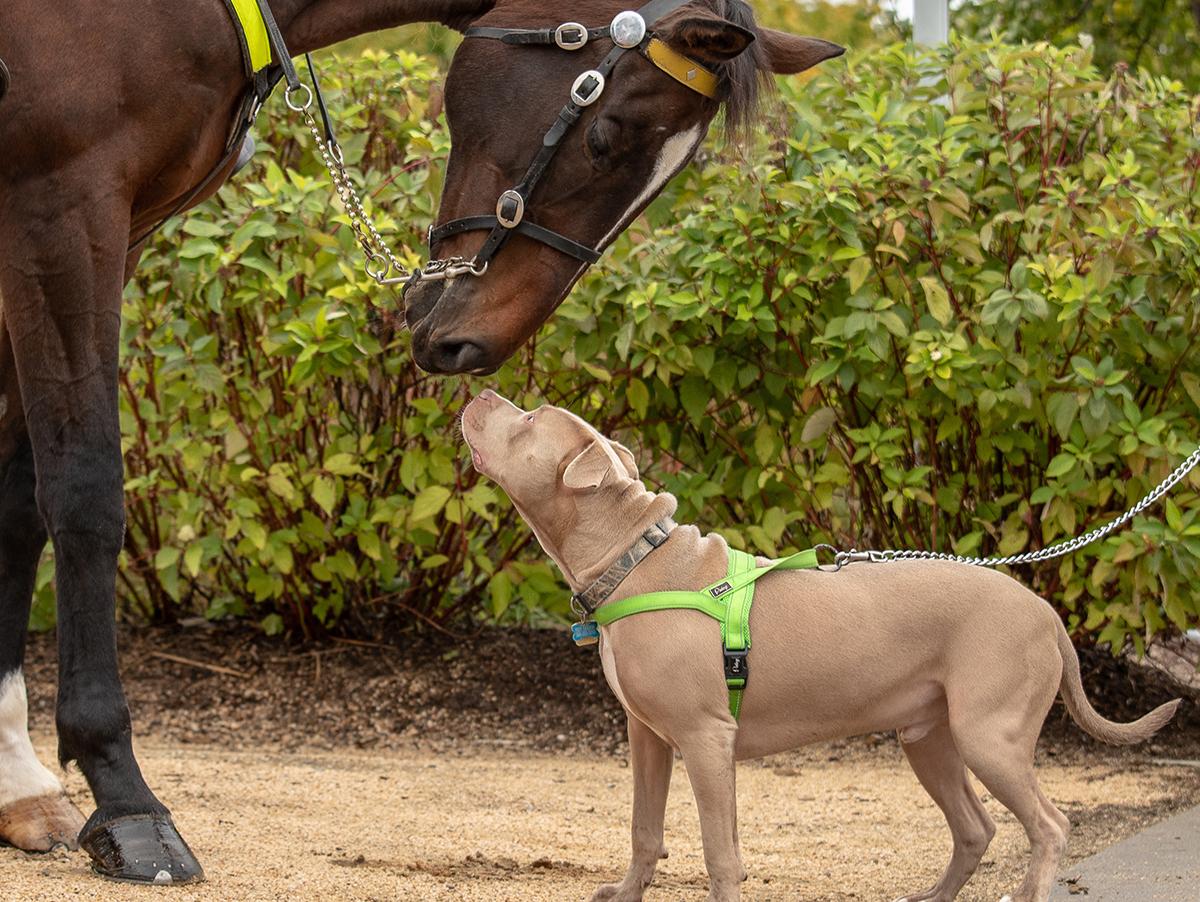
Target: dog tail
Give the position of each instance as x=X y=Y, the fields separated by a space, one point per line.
x=1089 y=719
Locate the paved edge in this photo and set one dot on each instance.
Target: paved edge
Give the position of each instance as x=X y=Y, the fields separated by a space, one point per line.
x=1160 y=864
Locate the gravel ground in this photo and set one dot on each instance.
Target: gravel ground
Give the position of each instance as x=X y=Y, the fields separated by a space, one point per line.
x=497 y=825
x=494 y=769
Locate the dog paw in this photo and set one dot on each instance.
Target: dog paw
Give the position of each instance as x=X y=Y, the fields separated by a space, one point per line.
x=615 y=892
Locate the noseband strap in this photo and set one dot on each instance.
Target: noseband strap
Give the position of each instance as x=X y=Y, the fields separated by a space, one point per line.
x=628 y=31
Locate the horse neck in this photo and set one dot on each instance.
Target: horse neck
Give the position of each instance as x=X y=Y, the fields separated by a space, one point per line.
x=312 y=24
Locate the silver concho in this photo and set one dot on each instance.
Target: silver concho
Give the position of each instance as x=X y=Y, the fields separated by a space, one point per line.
x=628 y=29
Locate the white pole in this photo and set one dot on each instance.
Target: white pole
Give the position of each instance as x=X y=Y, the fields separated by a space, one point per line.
x=931 y=22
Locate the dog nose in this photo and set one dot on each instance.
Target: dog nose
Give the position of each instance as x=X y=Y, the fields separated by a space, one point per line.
x=453 y=355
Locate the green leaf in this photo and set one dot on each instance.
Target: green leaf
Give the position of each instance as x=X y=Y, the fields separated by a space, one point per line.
x=819 y=422
x=430 y=502
x=166 y=558
x=937 y=299
x=324 y=492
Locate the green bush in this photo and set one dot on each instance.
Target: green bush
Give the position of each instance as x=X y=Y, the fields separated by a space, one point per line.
x=946 y=301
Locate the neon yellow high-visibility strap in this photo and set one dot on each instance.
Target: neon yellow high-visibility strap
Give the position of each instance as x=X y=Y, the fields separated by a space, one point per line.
x=726 y=601
x=254 y=29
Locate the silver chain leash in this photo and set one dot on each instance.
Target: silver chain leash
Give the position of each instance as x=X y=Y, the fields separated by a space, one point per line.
x=382 y=266
x=842 y=558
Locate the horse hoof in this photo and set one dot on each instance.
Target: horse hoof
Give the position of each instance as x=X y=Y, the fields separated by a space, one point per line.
x=141 y=848
x=41 y=824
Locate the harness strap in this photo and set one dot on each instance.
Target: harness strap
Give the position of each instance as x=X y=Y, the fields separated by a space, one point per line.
x=252 y=34
x=570 y=36
x=727 y=601
x=560 y=243
x=277 y=44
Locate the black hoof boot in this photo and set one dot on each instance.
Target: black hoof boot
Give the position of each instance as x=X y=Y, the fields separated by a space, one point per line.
x=141 y=848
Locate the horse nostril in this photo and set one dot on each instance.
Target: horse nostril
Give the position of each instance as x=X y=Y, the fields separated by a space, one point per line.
x=451 y=355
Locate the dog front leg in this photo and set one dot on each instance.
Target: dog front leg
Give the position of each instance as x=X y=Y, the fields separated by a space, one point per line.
x=652 y=760
x=708 y=757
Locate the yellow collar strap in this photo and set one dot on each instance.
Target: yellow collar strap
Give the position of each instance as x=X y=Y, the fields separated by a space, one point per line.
x=684 y=70
x=248 y=18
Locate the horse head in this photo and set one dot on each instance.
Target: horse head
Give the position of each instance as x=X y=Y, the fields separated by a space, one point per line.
x=622 y=139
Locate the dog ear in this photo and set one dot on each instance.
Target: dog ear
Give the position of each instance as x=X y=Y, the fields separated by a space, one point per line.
x=625 y=456
x=590 y=466
x=788 y=54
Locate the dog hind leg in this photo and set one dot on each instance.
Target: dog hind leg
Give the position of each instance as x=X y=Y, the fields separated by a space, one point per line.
x=939 y=767
x=1004 y=764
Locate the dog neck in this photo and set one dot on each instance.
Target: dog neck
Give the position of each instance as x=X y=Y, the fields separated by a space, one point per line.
x=594 y=546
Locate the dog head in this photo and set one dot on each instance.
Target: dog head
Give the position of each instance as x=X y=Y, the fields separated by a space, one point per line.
x=578 y=490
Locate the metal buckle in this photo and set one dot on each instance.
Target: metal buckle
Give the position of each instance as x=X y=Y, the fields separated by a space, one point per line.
x=627 y=29
x=570 y=36
x=591 y=82
x=512 y=201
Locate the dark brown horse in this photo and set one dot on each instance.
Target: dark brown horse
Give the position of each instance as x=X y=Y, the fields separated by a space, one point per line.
x=114 y=114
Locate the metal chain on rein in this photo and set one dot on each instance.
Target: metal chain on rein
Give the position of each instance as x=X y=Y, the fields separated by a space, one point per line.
x=382 y=265
x=842 y=558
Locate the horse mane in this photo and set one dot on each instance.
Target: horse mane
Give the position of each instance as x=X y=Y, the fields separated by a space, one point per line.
x=744 y=78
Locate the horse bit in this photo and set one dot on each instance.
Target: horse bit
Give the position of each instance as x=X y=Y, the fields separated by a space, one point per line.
x=628 y=30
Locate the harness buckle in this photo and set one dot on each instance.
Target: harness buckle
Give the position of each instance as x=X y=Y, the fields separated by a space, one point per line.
x=571 y=36
x=587 y=88
x=737 y=665
x=510 y=209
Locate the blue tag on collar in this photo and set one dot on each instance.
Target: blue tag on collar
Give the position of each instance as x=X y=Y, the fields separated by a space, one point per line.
x=586 y=633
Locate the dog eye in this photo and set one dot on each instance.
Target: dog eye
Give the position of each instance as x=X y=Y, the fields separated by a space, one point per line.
x=528 y=418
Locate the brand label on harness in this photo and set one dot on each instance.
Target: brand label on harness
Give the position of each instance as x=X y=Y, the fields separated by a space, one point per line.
x=719 y=590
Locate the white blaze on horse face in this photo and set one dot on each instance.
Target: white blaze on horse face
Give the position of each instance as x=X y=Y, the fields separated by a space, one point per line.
x=22 y=776
x=677 y=150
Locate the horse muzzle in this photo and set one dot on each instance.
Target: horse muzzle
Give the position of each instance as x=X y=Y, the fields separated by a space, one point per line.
x=441 y=344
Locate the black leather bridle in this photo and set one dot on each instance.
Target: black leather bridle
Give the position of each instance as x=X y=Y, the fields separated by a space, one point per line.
x=629 y=30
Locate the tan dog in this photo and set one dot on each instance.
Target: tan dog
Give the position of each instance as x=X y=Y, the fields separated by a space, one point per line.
x=962 y=662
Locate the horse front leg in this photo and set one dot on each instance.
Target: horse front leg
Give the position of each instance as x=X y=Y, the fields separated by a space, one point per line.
x=61 y=279
x=35 y=814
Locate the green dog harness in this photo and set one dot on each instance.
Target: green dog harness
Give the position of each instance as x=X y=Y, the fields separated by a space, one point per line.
x=727 y=601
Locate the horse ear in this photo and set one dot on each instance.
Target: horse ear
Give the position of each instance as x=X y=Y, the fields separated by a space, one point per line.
x=590 y=466
x=788 y=54
x=626 y=457
x=708 y=38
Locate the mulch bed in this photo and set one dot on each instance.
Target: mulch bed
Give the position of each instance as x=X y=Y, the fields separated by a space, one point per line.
x=504 y=688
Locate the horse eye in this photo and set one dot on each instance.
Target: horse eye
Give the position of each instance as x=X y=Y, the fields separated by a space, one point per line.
x=598 y=145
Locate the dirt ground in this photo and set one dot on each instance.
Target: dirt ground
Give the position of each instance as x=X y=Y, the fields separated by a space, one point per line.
x=494 y=825
x=364 y=773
